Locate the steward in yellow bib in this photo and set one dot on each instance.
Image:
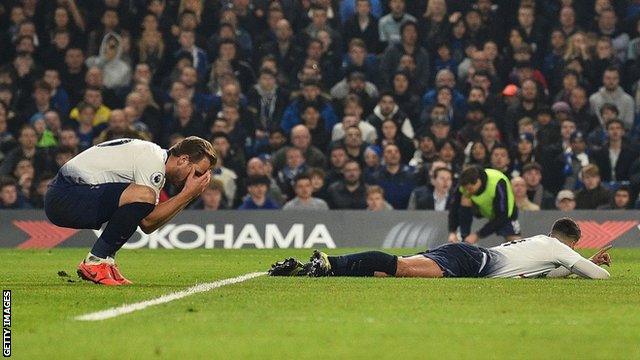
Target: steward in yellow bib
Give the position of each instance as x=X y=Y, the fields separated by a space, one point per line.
x=486 y=193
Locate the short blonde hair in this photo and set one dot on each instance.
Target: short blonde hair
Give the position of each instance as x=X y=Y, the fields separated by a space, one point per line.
x=375 y=189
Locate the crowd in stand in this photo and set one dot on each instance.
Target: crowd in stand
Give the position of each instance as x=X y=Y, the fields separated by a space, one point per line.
x=325 y=104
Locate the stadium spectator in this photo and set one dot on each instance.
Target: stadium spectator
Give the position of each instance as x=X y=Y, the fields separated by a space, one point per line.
x=257 y=187
x=621 y=200
x=212 y=198
x=301 y=140
x=304 y=199
x=594 y=194
x=433 y=196
x=614 y=159
x=557 y=73
x=350 y=191
x=536 y=193
x=520 y=194
x=611 y=92
x=565 y=200
x=395 y=178
x=10 y=196
x=375 y=199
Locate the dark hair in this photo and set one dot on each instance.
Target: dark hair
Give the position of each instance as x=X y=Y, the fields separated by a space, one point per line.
x=301 y=176
x=612 y=121
x=609 y=106
x=438 y=170
x=470 y=175
x=568 y=228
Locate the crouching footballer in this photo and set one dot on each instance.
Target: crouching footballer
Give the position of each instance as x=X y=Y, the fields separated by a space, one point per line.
x=118 y=182
x=538 y=256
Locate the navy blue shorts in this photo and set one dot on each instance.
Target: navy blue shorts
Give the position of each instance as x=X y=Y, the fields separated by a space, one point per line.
x=81 y=206
x=512 y=227
x=460 y=259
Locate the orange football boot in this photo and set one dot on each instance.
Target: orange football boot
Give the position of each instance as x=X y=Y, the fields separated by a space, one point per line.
x=117 y=275
x=100 y=273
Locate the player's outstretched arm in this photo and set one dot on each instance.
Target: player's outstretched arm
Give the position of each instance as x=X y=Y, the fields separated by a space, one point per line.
x=587 y=268
x=193 y=187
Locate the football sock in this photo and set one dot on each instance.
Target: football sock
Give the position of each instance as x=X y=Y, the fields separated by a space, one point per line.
x=466 y=217
x=121 y=226
x=363 y=264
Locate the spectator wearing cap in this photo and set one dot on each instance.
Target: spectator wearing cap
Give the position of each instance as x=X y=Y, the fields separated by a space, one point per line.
x=439 y=126
x=372 y=160
x=537 y=194
x=614 y=159
x=304 y=199
x=408 y=45
x=594 y=194
x=311 y=93
x=473 y=122
x=574 y=159
x=387 y=108
x=257 y=199
x=612 y=92
x=520 y=195
x=565 y=201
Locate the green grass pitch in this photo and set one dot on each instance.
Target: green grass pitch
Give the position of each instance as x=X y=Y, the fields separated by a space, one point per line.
x=330 y=318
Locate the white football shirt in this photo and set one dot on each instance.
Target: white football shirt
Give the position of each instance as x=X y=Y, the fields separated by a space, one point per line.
x=531 y=257
x=119 y=161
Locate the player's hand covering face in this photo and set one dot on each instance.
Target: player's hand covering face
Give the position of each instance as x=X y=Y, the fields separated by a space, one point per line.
x=186 y=170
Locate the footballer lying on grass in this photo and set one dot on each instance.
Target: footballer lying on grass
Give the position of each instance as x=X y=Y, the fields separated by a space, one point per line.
x=119 y=182
x=537 y=256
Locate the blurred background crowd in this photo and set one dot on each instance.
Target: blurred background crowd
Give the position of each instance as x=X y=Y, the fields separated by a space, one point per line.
x=325 y=104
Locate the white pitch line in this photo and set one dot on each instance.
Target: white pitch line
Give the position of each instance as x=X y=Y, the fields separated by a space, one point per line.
x=129 y=308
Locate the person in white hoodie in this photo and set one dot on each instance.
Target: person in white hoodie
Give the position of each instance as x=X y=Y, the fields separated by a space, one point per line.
x=116 y=72
x=612 y=93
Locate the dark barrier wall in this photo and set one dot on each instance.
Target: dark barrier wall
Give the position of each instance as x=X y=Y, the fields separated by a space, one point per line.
x=282 y=229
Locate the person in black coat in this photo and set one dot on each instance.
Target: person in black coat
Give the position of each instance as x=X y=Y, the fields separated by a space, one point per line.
x=615 y=158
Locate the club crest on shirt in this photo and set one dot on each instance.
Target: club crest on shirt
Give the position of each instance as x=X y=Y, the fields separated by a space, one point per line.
x=157 y=178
